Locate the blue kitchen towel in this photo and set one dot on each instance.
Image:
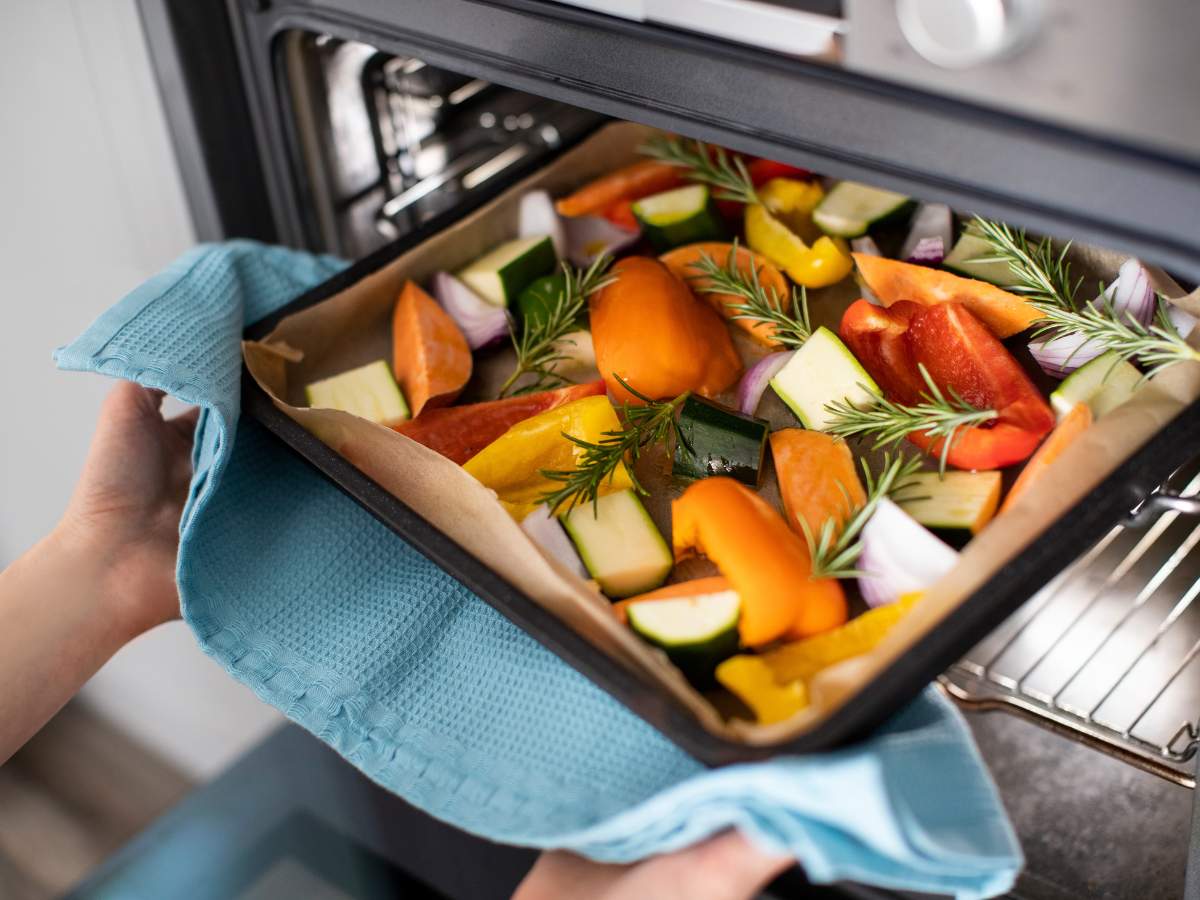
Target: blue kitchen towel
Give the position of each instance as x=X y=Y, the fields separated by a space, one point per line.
x=303 y=596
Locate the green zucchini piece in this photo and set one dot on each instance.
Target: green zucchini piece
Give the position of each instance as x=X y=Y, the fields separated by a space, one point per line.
x=696 y=632
x=957 y=502
x=369 y=391
x=680 y=216
x=714 y=440
x=500 y=275
x=620 y=544
x=850 y=208
x=1103 y=384
x=964 y=259
x=821 y=372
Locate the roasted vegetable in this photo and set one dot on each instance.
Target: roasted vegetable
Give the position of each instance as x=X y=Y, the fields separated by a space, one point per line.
x=459 y=432
x=1073 y=424
x=682 y=262
x=893 y=281
x=650 y=331
x=430 y=356
x=713 y=440
x=619 y=543
x=512 y=464
x=764 y=560
x=817 y=479
x=369 y=391
x=599 y=197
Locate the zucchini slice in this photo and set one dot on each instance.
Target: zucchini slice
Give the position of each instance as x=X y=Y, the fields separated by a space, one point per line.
x=620 y=544
x=964 y=259
x=1103 y=384
x=369 y=391
x=696 y=632
x=680 y=216
x=823 y=371
x=850 y=209
x=714 y=440
x=957 y=502
x=500 y=275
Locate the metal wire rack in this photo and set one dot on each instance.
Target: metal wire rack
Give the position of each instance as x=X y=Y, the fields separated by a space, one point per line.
x=1109 y=652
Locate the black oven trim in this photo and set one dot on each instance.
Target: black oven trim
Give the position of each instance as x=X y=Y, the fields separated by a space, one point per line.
x=1029 y=173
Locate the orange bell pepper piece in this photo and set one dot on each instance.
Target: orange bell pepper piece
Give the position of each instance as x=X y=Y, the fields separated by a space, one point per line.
x=633 y=182
x=765 y=561
x=1073 y=424
x=649 y=330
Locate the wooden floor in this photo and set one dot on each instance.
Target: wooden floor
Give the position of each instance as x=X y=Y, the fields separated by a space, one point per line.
x=70 y=797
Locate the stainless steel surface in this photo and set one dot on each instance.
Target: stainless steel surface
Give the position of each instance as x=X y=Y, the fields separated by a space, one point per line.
x=1109 y=652
x=388 y=141
x=957 y=34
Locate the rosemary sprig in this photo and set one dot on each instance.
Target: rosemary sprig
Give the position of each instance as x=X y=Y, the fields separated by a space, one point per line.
x=1040 y=273
x=834 y=553
x=708 y=164
x=539 y=345
x=888 y=422
x=759 y=304
x=1154 y=347
x=644 y=426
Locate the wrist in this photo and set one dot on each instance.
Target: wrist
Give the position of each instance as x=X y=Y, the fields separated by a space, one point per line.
x=99 y=570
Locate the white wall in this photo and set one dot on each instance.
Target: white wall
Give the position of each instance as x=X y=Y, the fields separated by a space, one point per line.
x=90 y=205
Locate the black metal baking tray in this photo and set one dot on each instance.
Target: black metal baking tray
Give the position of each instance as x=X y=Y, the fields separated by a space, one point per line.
x=1069 y=537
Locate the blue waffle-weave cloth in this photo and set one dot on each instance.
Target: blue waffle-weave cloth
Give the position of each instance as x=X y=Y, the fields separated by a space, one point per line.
x=328 y=616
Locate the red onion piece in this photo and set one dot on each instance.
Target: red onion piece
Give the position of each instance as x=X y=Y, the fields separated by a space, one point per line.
x=1130 y=294
x=590 y=236
x=547 y=532
x=1061 y=356
x=931 y=232
x=865 y=245
x=756 y=379
x=537 y=215
x=481 y=323
x=899 y=556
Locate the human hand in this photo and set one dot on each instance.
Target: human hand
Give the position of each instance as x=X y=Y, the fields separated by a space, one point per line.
x=725 y=867
x=125 y=511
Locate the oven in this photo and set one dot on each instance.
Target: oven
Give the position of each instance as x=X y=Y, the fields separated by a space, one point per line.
x=342 y=126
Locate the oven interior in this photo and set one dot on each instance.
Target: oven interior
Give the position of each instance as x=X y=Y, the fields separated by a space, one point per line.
x=1108 y=653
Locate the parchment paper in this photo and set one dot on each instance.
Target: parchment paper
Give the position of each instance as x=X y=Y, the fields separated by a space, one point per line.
x=353 y=328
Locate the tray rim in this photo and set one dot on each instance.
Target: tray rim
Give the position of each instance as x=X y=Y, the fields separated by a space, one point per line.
x=894 y=686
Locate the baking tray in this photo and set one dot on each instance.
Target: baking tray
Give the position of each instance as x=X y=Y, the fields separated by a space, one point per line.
x=1059 y=545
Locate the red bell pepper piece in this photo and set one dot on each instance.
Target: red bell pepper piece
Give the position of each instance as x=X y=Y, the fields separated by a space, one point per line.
x=961 y=355
x=459 y=432
x=621 y=215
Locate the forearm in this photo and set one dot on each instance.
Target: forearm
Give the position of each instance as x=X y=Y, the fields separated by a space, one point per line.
x=60 y=621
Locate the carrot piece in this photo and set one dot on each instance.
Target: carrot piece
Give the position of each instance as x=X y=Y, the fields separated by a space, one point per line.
x=681 y=260
x=817 y=478
x=1073 y=424
x=765 y=561
x=891 y=281
x=430 y=356
x=649 y=330
x=641 y=179
x=714 y=584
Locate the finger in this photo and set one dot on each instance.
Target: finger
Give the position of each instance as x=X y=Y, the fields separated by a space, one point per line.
x=130 y=401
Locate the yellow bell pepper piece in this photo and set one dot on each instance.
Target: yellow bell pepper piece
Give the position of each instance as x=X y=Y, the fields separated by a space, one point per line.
x=750 y=680
x=511 y=465
x=826 y=262
x=804 y=659
x=792 y=202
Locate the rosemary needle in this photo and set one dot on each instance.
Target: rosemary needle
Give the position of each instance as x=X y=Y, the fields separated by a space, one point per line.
x=1045 y=278
x=759 y=304
x=707 y=164
x=888 y=422
x=834 y=553
x=644 y=426
x=539 y=345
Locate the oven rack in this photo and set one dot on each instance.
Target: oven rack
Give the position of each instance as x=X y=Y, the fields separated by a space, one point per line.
x=1108 y=653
